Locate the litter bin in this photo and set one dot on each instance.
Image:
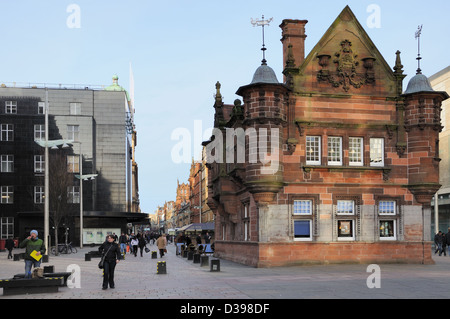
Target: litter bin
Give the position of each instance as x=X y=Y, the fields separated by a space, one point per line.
x=2 y=244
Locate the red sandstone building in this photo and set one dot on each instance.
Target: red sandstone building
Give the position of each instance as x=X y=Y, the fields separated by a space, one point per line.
x=339 y=164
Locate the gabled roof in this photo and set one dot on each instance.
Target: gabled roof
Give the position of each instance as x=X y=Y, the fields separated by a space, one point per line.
x=346 y=27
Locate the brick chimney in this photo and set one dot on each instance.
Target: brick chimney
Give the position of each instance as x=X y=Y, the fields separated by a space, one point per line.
x=293 y=32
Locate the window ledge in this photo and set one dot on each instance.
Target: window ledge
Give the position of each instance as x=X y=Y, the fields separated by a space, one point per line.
x=385 y=170
x=340 y=167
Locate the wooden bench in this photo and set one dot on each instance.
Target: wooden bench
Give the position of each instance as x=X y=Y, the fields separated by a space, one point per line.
x=31 y=286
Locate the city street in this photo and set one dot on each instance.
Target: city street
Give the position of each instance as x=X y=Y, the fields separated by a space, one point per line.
x=136 y=278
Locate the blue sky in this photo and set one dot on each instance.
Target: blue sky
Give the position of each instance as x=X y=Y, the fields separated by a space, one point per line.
x=179 y=49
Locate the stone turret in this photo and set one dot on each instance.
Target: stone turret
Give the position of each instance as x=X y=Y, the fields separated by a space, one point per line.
x=265 y=109
x=423 y=124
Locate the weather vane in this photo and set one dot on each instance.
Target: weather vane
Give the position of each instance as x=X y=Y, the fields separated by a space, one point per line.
x=418 y=33
x=262 y=23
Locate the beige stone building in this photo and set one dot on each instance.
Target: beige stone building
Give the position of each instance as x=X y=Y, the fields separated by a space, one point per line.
x=441 y=82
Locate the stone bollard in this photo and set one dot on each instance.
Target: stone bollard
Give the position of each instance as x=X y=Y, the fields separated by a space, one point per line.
x=154 y=255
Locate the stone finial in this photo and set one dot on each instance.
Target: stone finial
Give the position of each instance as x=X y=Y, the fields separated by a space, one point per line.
x=290 y=60
x=398 y=68
x=218 y=96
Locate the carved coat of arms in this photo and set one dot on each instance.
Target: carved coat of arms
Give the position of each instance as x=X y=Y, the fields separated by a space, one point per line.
x=346 y=62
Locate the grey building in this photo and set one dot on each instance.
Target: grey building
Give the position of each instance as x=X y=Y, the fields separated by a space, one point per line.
x=100 y=122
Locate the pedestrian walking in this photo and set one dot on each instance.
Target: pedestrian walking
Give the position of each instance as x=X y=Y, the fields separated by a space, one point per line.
x=161 y=242
x=447 y=239
x=112 y=256
x=134 y=245
x=207 y=238
x=188 y=240
x=438 y=240
x=34 y=250
x=198 y=239
x=123 y=243
x=9 y=245
x=141 y=243
x=444 y=244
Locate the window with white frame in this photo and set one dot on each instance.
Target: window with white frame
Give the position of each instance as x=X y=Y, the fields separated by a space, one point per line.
x=304 y=220
x=75 y=108
x=355 y=151
x=334 y=150
x=39 y=163
x=302 y=207
x=347 y=217
x=73 y=194
x=388 y=219
x=302 y=230
x=11 y=107
x=7 y=194
x=346 y=229
x=7 y=132
x=345 y=207
x=73 y=164
x=376 y=152
x=388 y=230
x=41 y=107
x=6 y=227
x=73 y=132
x=386 y=207
x=7 y=163
x=313 y=150
x=39 y=132
x=38 y=194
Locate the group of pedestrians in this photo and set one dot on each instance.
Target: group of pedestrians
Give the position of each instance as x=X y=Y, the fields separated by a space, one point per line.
x=132 y=243
x=114 y=249
x=186 y=239
x=441 y=241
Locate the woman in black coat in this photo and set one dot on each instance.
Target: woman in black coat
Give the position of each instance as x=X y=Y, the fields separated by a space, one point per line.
x=113 y=255
x=142 y=242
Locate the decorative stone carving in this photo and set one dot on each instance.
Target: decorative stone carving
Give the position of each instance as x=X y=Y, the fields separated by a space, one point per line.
x=346 y=75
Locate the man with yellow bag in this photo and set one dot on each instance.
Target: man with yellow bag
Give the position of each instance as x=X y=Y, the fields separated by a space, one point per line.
x=34 y=250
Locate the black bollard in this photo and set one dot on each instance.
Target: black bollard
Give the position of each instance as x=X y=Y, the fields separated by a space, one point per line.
x=215 y=265
x=161 y=267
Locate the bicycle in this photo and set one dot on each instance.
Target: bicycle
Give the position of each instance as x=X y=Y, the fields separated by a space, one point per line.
x=64 y=249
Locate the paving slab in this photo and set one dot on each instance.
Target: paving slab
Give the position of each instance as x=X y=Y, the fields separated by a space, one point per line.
x=136 y=278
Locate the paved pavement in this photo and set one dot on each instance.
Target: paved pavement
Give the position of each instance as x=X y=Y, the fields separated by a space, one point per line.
x=136 y=278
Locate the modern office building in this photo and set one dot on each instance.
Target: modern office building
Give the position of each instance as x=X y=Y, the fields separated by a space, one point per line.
x=100 y=123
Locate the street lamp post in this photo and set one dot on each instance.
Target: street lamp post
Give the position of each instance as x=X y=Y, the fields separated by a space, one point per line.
x=82 y=178
x=46 y=144
x=46 y=179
